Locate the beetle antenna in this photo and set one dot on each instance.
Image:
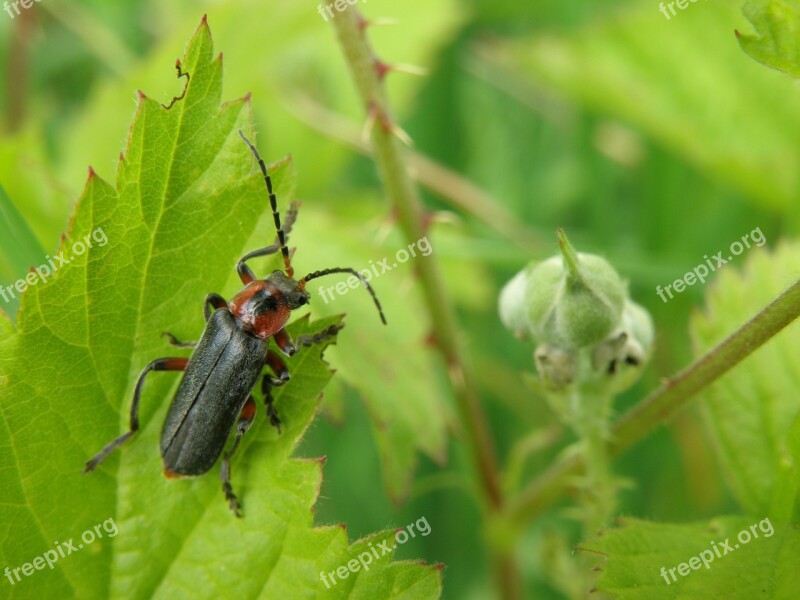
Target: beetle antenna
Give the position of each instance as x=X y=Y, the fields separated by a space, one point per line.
x=317 y=274
x=273 y=201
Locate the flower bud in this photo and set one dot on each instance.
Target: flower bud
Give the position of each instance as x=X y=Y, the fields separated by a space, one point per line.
x=513 y=306
x=622 y=356
x=573 y=300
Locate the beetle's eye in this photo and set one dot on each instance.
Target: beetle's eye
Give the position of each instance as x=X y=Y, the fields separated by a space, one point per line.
x=302 y=299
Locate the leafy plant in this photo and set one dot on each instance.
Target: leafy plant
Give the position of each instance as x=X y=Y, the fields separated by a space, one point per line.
x=649 y=140
x=186 y=200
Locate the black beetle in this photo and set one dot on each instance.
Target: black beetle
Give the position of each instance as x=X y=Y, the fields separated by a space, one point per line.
x=228 y=360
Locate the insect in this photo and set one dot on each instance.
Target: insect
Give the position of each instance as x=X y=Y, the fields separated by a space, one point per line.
x=214 y=395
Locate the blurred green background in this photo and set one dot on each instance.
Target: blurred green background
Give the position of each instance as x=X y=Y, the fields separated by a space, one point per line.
x=651 y=141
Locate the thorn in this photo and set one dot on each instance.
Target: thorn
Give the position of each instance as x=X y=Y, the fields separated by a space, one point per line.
x=381 y=68
x=121 y=157
x=91 y=172
x=402 y=135
x=372 y=116
x=409 y=70
x=439 y=566
x=379 y=22
x=247 y=96
x=430 y=340
x=177 y=63
x=141 y=95
x=204 y=20
x=322 y=459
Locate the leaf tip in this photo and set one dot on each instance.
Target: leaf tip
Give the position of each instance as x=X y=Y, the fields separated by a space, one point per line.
x=92 y=173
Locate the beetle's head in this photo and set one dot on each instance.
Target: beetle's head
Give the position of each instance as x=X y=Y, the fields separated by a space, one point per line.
x=293 y=294
x=263 y=306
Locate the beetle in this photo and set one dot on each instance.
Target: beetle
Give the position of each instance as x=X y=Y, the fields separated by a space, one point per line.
x=215 y=393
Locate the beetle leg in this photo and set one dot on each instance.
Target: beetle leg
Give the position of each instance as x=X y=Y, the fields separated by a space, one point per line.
x=213 y=301
x=320 y=336
x=284 y=343
x=245 y=273
x=161 y=364
x=176 y=342
x=275 y=362
x=246 y=418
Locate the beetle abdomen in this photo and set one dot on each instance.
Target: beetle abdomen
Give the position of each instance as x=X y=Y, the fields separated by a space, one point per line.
x=225 y=366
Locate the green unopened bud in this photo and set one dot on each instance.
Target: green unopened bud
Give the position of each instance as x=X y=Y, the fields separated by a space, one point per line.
x=513 y=305
x=624 y=353
x=573 y=300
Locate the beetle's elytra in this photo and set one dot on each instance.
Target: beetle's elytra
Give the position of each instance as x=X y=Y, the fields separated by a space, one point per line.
x=227 y=362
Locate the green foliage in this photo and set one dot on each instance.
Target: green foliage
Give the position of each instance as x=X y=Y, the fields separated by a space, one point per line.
x=652 y=141
x=749 y=412
x=753 y=416
x=301 y=60
x=777 y=43
x=764 y=567
x=680 y=82
x=186 y=200
x=19 y=248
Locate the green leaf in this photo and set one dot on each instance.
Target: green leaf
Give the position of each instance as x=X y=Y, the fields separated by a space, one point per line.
x=19 y=248
x=759 y=567
x=187 y=199
x=777 y=44
x=410 y=414
x=683 y=82
x=749 y=411
x=786 y=496
x=19 y=251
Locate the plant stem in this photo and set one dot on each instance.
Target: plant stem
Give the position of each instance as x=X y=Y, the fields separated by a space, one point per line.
x=450 y=186
x=663 y=403
x=590 y=422
x=391 y=160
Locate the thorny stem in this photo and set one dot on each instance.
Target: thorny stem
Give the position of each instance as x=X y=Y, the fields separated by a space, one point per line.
x=663 y=403
x=390 y=158
x=450 y=186
x=19 y=54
